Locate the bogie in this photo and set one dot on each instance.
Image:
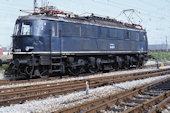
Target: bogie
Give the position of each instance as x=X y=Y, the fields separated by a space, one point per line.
x=74 y=65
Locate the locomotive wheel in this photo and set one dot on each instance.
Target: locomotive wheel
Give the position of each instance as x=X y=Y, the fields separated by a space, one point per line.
x=92 y=69
x=127 y=65
x=116 y=66
x=44 y=74
x=75 y=71
x=29 y=71
x=127 y=62
x=140 y=64
x=10 y=70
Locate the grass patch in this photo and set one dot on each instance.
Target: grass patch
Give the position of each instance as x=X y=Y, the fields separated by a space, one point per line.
x=4 y=67
x=4 y=57
x=161 y=56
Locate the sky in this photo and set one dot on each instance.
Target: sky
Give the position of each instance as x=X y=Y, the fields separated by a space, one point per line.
x=155 y=14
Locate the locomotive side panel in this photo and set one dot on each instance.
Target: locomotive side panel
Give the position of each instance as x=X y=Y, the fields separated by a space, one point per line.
x=81 y=38
x=75 y=39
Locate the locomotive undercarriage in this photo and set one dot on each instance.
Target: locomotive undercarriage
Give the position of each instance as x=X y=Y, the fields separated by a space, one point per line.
x=30 y=66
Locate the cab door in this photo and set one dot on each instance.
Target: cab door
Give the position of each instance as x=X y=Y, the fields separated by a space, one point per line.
x=55 y=39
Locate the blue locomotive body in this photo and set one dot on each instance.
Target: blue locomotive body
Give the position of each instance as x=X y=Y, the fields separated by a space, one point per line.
x=45 y=45
x=72 y=38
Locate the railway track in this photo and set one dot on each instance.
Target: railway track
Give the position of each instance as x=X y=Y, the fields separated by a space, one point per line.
x=151 y=98
x=21 y=94
x=13 y=81
x=9 y=82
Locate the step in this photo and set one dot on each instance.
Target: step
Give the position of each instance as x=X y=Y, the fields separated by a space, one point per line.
x=56 y=64
x=56 y=57
x=55 y=71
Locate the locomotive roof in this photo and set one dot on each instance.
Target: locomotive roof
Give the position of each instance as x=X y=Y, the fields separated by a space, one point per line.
x=92 y=20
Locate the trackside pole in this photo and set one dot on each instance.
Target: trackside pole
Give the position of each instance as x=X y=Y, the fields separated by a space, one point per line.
x=87 y=88
x=157 y=64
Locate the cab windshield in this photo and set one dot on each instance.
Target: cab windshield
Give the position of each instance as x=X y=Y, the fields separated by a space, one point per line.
x=23 y=28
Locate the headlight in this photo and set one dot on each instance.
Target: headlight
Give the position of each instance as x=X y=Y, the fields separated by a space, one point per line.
x=28 y=48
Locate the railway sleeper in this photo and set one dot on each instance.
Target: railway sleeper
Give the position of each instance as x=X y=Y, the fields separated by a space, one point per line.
x=133 y=104
x=116 y=100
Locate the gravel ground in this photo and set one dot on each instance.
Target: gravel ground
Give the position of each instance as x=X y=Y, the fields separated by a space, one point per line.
x=80 y=78
x=151 y=62
x=167 y=110
x=1 y=74
x=62 y=101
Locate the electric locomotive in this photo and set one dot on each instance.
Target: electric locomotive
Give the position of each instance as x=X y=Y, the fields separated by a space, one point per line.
x=47 y=44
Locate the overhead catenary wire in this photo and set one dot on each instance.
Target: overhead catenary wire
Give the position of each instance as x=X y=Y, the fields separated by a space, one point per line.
x=121 y=7
x=132 y=6
x=142 y=13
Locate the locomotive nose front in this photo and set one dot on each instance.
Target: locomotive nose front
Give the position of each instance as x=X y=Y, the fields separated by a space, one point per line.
x=32 y=35
x=22 y=37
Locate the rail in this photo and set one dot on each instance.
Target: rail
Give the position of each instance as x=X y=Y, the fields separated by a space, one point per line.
x=107 y=102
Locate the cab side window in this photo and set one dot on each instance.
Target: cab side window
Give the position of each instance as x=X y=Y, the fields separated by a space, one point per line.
x=26 y=29
x=127 y=37
x=137 y=36
x=71 y=30
x=144 y=37
x=55 y=30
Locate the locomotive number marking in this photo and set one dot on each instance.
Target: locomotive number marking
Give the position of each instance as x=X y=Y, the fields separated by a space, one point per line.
x=112 y=46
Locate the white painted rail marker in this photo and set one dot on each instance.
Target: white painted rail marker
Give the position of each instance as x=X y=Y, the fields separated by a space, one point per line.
x=87 y=88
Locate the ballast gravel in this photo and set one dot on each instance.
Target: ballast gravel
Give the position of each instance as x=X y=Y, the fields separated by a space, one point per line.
x=167 y=109
x=151 y=62
x=1 y=74
x=82 y=77
x=64 y=101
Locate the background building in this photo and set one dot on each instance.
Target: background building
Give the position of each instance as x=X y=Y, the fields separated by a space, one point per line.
x=159 y=47
x=1 y=50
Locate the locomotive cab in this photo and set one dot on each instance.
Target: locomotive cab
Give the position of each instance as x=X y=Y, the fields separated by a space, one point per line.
x=22 y=36
x=32 y=39
x=31 y=36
